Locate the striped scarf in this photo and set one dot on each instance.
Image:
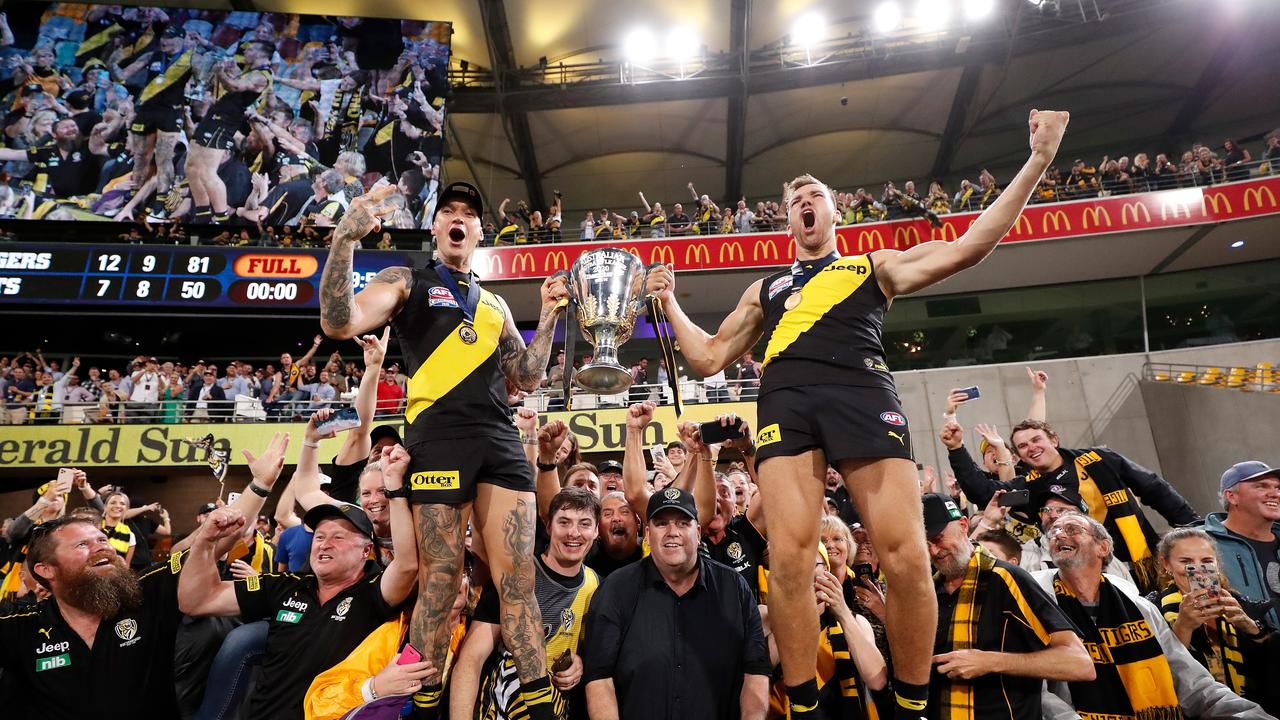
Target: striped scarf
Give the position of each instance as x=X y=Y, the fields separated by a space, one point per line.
x=1112 y=504
x=1223 y=657
x=962 y=634
x=855 y=700
x=1134 y=680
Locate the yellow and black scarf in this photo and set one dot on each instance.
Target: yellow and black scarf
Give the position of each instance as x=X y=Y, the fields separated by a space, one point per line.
x=855 y=700
x=118 y=536
x=1112 y=504
x=962 y=634
x=1224 y=659
x=1134 y=680
x=344 y=117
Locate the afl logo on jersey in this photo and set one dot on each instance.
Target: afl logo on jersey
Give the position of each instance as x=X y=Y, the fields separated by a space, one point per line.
x=893 y=418
x=441 y=297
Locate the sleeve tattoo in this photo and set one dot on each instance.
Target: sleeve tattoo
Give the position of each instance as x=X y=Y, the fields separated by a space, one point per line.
x=526 y=366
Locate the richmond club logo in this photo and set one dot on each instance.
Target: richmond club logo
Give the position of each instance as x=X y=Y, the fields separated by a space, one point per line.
x=344 y=606
x=671 y=493
x=127 y=630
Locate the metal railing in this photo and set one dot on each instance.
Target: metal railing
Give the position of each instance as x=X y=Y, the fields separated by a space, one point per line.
x=245 y=408
x=1262 y=377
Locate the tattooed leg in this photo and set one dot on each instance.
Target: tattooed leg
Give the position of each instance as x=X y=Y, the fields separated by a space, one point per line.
x=441 y=532
x=506 y=520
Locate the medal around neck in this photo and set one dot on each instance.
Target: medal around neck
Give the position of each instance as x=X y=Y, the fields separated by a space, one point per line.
x=793 y=300
x=467 y=333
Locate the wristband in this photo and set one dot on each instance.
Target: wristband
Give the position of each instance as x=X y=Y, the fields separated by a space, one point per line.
x=545 y=467
x=367 y=691
x=1004 y=462
x=529 y=440
x=308 y=443
x=258 y=490
x=400 y=492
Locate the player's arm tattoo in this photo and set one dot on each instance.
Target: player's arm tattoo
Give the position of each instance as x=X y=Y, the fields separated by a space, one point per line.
x=336 y=295
x=526 y=366
x=521 y=617
x=441 y=544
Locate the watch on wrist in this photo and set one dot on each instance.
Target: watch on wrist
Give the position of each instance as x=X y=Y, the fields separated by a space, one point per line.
x=400 y=492
x=258 y=490
x=545 y=467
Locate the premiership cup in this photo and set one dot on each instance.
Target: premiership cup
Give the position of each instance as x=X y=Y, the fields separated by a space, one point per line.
x=607 y=287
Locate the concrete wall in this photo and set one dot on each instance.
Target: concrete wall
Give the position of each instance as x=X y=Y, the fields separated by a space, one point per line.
x=1098 y=401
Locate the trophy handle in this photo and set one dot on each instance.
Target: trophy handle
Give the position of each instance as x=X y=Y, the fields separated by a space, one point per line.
x=648 y=269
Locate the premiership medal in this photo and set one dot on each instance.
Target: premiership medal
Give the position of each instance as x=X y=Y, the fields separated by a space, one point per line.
x=793 y=301
x=467 y=333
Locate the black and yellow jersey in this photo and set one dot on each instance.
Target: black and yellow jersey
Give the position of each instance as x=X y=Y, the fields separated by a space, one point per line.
x=455 y=389
x=563 y=603
x=832 y=336
x=234 y=103
x=119 y=536
x=166 y=79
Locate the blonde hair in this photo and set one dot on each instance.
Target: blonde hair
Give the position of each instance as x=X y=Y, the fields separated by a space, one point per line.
x=833 y=524
x=801 y=181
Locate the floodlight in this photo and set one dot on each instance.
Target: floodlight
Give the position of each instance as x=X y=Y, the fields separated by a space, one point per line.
x=887 y=17
x=638 y=46
x=808 y=30
x=978 y=9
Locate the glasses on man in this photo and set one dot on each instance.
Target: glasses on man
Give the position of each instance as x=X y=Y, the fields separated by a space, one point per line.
x=1055 y=510
x=1070 y=530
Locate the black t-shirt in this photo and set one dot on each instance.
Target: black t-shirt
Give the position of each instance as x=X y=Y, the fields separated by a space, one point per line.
x=1016 y=616
x=675 y=220
x=75 y=173
x=603 y=564
x=743 y=549
x=130 y=666
x=1268 y=554
x=285 y=200
x=305 y=638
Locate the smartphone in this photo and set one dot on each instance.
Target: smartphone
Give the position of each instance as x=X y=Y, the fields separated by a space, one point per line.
x=1014 y=498
x=713 y=432
x=66 y=478
x=232 y=497
x=971 y=393
x=658 y=451
x=409 y=655
x=344 y=419
x=562 y=661
x=1203 y=576
x=862 y=570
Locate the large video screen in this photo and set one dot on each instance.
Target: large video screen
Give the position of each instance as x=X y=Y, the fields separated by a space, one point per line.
x=179 y=115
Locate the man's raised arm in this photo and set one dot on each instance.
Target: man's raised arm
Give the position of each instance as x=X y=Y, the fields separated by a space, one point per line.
x=525 y=367
x=904 y=272
x=344 y=314
x=709 y=354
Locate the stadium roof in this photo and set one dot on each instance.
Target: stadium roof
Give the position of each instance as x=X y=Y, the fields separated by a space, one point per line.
x=547 y=100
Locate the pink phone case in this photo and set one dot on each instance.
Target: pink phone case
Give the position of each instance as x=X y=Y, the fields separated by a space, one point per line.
x=409 y=655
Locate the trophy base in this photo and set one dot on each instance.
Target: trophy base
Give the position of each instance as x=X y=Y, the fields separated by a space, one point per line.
x=603 y=378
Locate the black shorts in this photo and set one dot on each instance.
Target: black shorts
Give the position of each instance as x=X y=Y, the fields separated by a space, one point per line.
x=153 y=118
x=844 y=421
x=446 y=471
x=218 y=132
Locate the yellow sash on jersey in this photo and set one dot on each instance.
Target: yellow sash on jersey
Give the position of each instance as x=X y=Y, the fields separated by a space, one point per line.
x=453 y=360
x=171 y=75
x=827 y=288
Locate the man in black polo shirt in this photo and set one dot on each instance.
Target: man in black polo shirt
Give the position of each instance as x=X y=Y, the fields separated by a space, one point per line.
x=736 y=540
x=63 y=167
x=619 y=542
x=104 y=633
x=999 y=634
x=690 y=628
x=316 y=620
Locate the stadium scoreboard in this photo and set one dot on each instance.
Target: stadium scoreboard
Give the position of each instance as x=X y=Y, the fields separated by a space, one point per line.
x=174 y=275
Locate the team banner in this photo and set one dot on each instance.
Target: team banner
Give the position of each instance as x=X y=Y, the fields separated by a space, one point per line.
x=90 y=446
x=1096 y=216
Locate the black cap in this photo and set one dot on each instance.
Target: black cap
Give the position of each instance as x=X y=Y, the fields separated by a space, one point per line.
x=672 y=498
x=385 y=431
x=172 y=31
x=351 y=513
x=609 y=466
x=465 y=192
x=939 y=512
x=1066 y=494
x=207 y=508
x=13 y=116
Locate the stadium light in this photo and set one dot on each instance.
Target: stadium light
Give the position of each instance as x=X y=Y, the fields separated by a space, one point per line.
x=933 y=14
x=1237 y=245
x=887 y=17
x=978 y=9
x=808 y=30
x=638 y=46
x=682 y=43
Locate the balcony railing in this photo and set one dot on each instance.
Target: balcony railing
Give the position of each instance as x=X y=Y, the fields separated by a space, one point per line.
x=244 y=408
x=1262 y=377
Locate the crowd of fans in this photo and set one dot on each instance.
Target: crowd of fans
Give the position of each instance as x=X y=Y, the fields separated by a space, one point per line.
x=243 y=119
x=304 y=612
x=1199 y=166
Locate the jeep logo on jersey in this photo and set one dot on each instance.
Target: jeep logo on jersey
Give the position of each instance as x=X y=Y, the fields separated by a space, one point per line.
x=126 y=629
x=293 y=603
x=893 y=418
x=53 y=647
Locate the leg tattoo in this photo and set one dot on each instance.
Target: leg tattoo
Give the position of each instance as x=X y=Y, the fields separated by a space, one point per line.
x=441 y=543
x=521 y=618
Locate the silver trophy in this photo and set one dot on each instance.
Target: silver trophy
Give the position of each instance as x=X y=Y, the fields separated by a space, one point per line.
x=607 y=286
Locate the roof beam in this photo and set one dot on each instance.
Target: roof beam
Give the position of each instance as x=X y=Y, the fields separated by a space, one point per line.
x=770 y=77
x=736 y=123
x=515 y=120
x=955 y=129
